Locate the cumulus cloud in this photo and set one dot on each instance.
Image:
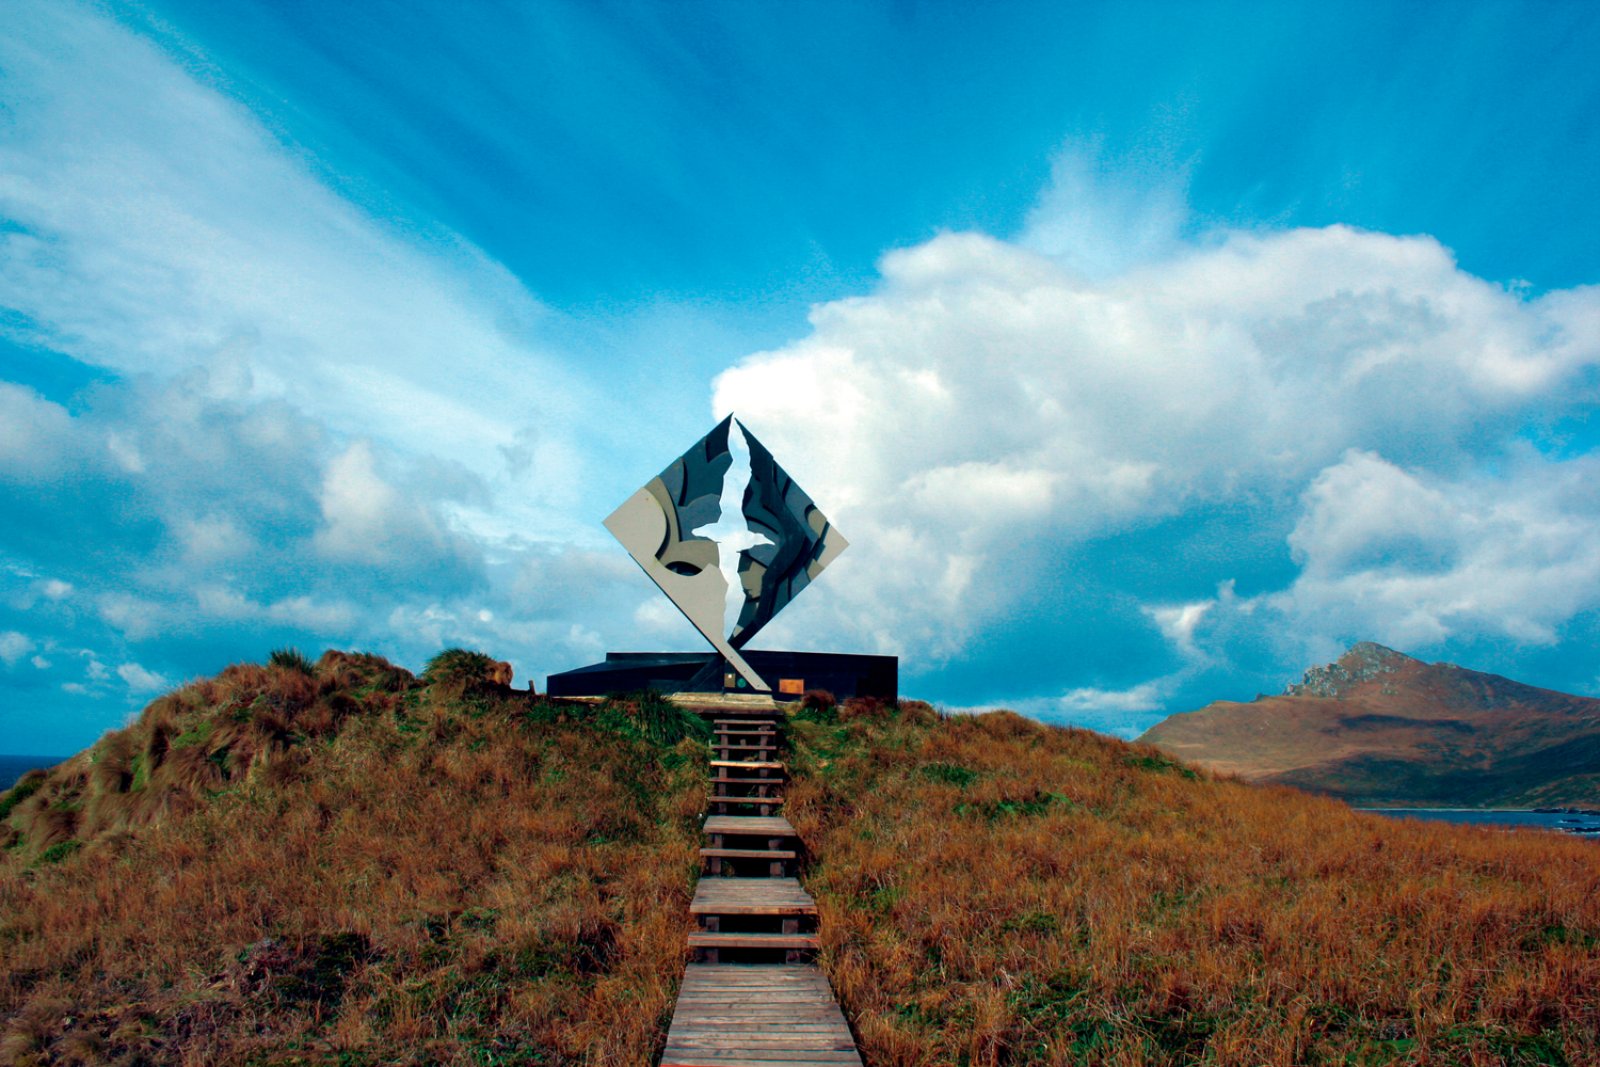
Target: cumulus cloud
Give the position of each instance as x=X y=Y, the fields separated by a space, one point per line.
x=1414 y=559
x=1331 y=411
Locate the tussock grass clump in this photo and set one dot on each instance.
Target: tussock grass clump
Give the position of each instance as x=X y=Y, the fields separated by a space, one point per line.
x=656 y=719
x=291 y=658
x=458 y=670
x=348 y=866
x=994 y=891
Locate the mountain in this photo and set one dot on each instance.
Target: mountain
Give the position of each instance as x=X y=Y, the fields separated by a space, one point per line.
x=1379 y=727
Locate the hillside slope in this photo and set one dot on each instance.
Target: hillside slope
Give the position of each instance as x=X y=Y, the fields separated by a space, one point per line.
x=342 y=864
x=1378 y=727
x=994 y=891
x=339 y=863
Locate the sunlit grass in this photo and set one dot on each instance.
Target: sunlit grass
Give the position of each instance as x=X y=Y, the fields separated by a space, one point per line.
x=343 y=865
x=998 y=892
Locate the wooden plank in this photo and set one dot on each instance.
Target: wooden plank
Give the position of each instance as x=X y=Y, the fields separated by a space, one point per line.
x=768 y=765
x=751 y=896
x=708 y=939
x=750 y=825
x=768 y=1015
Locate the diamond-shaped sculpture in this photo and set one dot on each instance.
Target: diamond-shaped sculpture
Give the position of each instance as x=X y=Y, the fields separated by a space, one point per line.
x=729 y=537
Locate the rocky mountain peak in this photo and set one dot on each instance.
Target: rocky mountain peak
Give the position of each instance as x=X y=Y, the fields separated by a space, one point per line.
x=1364 y=661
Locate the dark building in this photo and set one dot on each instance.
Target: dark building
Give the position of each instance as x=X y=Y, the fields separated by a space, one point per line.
x=790 y=673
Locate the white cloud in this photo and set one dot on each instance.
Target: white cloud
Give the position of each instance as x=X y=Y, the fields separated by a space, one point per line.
x=140 y=680
x=158 y=225
x=1178 y=622
x=1122 y=712
x=1100 y=216
x=13 y=646
x=212 y=539
x=36 y=442
x=986 y=408
x=1413 y=559
x=1143 y=697
x=367 y=521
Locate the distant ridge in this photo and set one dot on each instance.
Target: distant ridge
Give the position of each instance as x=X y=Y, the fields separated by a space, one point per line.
x=1379 y=727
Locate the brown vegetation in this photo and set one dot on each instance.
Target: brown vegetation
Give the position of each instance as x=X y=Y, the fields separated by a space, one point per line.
x=994 y=891
x=336 y=863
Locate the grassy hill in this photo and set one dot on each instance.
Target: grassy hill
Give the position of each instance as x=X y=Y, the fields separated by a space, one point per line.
x=993 y=891
x=1378 y=727
x=339 y=863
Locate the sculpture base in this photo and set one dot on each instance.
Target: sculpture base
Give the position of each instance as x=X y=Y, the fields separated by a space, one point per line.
x=790 y=674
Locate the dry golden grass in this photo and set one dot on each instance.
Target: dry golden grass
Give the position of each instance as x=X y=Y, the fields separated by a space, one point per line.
x=998 y=892
x=346 y=866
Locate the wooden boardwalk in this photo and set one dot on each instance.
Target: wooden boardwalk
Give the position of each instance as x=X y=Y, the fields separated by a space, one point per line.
x=753 y=998
x=733 y=1015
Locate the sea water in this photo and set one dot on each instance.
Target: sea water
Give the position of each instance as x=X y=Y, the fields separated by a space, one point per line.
x=14 y=767
x=1516 y=819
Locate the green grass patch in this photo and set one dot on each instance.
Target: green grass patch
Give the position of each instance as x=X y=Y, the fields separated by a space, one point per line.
x=1026 y=807
x=948 y=773
x=58 y=852
x=1158 y=764
x=29 y=785
x=197 y=736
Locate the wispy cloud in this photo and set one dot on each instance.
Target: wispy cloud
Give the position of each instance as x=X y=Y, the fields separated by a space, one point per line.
x=315 y=429
x=156 y=225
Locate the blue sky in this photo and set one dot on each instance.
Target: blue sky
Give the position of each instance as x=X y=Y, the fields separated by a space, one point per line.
x=1146 y=354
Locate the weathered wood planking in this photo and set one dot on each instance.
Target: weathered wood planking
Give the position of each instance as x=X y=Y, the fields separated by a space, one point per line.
x=749 y=825
x=757 y=1015
x=754 y=1015
x=751 y=896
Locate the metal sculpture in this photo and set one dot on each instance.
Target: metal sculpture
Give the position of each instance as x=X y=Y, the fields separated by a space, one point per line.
x=729 y=537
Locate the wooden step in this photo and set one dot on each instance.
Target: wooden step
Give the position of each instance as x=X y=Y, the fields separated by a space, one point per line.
x=763 y=723
x=754 y=1015
x=746 y=800
x=746 y=854
x=725 y=780
x=749 y=825
x=761 y=730
x=751 y=896
x=719 y=940
x=749 y=765
x=744 y=748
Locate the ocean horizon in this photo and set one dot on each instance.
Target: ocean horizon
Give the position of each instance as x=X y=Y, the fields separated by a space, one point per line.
x=13 y=768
